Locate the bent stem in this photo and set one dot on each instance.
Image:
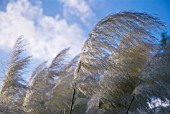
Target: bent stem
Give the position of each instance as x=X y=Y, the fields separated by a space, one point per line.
x=74 y=87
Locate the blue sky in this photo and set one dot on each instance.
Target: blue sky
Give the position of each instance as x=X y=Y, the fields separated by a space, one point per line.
x=49 y=26
x=102 y=8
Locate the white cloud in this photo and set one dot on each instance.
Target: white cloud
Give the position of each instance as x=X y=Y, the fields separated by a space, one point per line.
x=45 y=35
x=79 y=8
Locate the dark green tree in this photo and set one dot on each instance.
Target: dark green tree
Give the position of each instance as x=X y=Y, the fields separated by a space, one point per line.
x=163 y=40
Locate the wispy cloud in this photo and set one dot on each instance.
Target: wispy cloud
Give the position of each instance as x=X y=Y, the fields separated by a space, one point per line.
x=45 y=35
x=79 y=8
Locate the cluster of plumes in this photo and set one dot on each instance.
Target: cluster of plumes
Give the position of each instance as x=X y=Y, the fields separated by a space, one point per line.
x=49 y=88
x=14 y=87
x=120 y=49
x=120 y=61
